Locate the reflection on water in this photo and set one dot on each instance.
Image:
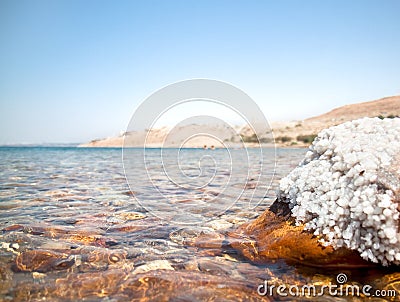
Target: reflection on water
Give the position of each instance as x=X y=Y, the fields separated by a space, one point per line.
x=71 y=229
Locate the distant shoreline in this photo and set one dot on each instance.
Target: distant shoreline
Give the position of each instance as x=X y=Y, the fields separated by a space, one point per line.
x=294 y=134
x=120 y=147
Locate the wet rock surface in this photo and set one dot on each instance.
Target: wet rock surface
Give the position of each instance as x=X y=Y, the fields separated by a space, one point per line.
x=273 y=236
x=41 y=261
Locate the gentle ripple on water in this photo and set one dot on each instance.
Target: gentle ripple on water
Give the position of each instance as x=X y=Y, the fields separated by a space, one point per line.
x=71 y=229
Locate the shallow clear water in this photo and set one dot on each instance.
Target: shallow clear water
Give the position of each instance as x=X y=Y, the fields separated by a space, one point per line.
x=73 y=229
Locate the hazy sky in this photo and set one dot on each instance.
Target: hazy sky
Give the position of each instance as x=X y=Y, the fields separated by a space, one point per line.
x=71 y=71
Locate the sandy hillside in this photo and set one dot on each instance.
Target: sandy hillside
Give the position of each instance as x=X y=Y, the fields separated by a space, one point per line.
x=287 y=133
x=294 y=133
x=382 y=107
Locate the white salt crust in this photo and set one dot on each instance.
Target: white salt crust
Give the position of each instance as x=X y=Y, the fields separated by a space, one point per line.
x=343 y=193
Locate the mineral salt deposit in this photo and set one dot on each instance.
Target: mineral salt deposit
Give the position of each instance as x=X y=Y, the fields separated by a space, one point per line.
x=346 y=189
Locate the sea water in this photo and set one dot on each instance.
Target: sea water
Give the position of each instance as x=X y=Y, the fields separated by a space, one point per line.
x=74 y=228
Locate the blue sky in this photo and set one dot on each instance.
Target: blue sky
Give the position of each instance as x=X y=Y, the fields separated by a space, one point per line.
x=71 y=71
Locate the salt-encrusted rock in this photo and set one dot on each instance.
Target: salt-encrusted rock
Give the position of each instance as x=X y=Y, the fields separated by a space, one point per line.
x=346 y=190
x=339 y=207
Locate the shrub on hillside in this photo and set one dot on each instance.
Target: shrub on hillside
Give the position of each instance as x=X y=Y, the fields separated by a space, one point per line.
x=307 y=139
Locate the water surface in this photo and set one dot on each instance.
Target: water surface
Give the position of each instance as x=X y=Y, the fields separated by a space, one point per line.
x=73 y=229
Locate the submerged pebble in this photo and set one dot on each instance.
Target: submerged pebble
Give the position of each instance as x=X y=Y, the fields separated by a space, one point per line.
x=154 y=265
x=42 y=261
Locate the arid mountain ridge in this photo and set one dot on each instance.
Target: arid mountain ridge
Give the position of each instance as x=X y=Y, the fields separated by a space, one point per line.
x=292 y=134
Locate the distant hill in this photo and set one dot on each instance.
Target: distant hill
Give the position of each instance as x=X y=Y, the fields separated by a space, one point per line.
x=294 y=133
x=301 y=133
x=389 y=106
